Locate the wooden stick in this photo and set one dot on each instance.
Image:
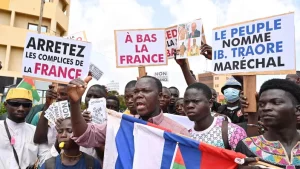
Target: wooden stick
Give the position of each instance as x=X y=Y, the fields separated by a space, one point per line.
x=249 y=92
x=142 y=71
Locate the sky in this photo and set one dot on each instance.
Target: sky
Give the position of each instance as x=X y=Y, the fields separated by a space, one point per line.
x=99 y=19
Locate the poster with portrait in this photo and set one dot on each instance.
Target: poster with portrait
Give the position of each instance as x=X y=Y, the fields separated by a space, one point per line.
x=189 y=38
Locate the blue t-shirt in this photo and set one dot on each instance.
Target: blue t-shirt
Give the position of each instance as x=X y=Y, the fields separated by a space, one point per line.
x=79 y=165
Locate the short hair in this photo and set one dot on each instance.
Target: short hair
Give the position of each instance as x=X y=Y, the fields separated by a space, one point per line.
x=164 y=87
x=173 y=87
x=157 y=82
x=113 y=97
x=282 y=84
x=101 y=87
x=178 y=99
x=202 y=87
x=130 y=84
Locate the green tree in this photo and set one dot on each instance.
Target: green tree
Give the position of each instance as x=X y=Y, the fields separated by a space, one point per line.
x=2 y=109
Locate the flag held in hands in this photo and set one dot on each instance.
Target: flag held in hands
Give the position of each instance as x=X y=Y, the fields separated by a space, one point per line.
x=134 y=144
x=28 y=83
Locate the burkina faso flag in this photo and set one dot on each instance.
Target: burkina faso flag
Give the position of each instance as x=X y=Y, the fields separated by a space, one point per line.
x=178 y=161
x=28 y=83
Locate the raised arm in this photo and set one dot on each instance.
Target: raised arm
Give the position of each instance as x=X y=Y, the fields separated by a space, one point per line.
x=87 y=135
x=40 y=135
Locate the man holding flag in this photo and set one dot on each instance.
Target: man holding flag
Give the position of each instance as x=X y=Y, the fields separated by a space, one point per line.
x=147 y=92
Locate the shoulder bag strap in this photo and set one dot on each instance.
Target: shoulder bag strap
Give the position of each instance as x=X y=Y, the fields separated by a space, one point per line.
x=225 y=134
x=89 y=161
x=14 y=150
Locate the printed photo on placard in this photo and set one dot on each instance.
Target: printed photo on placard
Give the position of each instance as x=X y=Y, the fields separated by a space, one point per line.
x=189 y=38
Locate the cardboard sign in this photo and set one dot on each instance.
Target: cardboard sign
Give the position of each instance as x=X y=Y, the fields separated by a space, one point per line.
x=162 y=76
x=171 y=40
x=189 y=39
x=52 y=58
x=140 y=47
x=97 y=107
x=255 y=47
x=80 y=36
x=113 y=86
x=96 y=72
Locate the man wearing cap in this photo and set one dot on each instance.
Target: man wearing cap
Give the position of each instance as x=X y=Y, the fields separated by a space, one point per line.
x=16 y=137
x=232 y=108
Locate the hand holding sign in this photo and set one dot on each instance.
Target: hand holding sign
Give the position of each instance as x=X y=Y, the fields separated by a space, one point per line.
x=206 y=51
x=77 y=87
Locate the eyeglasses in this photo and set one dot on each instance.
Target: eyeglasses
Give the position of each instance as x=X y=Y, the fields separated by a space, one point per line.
x=18 y=104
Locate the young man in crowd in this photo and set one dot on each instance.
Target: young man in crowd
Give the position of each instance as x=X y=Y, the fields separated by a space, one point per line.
x=179 y=105
x=174 y=96
x=212 y=130
x=278 y=104
x=61 y=95
x=16 y=143
x=146 y=99
x=164 y=99
x=232 y=108
x=71 y=157
x=129 y=93
x=113 y=103
x=215 y=104
x=47 y=134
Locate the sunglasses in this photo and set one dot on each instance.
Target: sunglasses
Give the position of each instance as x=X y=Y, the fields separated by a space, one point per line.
x=18 y=104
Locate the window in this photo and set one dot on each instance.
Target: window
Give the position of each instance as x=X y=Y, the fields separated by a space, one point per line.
x=217 y=85
x=34 y=27
x=216 y=78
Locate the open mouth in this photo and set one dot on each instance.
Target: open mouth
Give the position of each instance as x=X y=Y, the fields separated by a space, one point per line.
x=140 y=105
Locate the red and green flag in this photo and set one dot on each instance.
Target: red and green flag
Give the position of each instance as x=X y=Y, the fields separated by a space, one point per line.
x=28 y=83
x=178 y=161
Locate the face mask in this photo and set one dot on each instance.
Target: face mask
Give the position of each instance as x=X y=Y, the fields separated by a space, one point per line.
x=231 y=95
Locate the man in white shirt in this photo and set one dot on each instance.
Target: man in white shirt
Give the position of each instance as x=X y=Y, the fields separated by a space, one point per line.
x=17 y=135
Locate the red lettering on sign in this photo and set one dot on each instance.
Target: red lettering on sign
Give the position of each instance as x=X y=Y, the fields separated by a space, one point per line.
x=146 y=38
x=149 y=58
x=57 y=71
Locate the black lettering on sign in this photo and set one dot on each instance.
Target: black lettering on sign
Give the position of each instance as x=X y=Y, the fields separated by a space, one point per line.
x=31 y=43
x=249 y=64
x=81 y=48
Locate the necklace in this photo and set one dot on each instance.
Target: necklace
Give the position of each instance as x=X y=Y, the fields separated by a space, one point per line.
x=64 y=154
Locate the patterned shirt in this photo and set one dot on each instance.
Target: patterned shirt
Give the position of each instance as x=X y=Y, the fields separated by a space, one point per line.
x=213 y=134
x=271 y=152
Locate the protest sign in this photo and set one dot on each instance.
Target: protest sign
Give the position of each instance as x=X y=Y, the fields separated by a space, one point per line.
x=80 y=36
x=189 y=39
x=55 y=59
x=162 y=76
x=142 y=47
x=262 y=46
x=96 y=72
x=97 y=107
x=171 y=40
x=113 y=86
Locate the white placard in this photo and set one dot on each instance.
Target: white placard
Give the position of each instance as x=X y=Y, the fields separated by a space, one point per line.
x=64 y=110
x=52 y=58
x=162 y=76
x=189 y=39
x=97 y=107
x=255 y=47
x=140 y=47
x=171 y=40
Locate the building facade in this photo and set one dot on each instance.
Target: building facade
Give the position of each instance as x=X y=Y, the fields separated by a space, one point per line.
x=17 y=18
x=214 y=81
